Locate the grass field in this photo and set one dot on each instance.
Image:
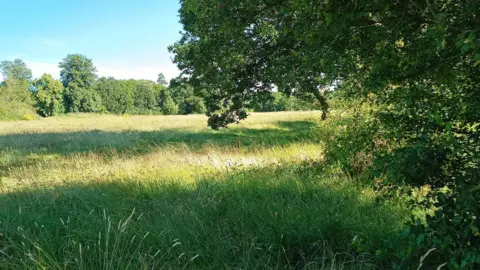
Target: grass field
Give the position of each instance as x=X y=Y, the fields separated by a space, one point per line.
x=166 y=192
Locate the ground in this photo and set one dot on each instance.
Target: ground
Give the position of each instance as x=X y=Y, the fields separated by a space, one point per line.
x=149 y=192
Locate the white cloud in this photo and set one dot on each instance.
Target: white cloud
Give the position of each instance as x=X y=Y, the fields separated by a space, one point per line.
x=40 y=68
x=52 y=42
x=149 y=72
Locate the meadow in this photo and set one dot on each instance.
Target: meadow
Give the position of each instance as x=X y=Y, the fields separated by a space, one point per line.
x=86 y=191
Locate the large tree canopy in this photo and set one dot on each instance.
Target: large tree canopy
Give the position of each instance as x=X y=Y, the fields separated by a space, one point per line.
x=415 y=63
x=16 y=69
x=78 y=76
x=243 y=49
x=78 y=69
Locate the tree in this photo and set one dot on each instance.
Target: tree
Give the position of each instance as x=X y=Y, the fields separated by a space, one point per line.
x=189 y=99
x=242 y=52
x=49 y=96
x=16 y=100
x=78 y=76
x=159 y=90
x=144 y=96
x=79 y=69
x=90 y=102
x=117 y=95
x=161 y=79
x=17 y=91
x=77 y=99
x=277 y=102
x=168 y=106
x=16 y=69
x=194 y=105
x=417 y=63
x=165 y=101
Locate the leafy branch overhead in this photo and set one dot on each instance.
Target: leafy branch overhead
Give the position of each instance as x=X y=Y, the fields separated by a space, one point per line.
x=241 y=50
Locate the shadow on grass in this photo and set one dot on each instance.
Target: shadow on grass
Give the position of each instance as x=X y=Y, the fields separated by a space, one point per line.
x=278 y=217
x=142 y=141
x=20 y=150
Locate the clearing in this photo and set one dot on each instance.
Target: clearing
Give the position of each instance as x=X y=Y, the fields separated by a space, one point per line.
x=150 y=192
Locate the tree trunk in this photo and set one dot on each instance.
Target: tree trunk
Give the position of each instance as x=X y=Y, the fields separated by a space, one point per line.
x=323 y=103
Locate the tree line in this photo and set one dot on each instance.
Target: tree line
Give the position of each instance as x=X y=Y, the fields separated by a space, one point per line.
x=80 y=90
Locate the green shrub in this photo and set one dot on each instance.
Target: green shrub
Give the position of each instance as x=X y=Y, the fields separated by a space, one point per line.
x=16 y=100
x=169 y=107
x=49 y=96
x=401 y=154
x=117 y=95
x=350 y=138
x=144 y=96
x=192 y=105
x=82 y=100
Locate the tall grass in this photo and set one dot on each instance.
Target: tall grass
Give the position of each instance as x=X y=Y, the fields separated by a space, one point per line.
x=157 y=192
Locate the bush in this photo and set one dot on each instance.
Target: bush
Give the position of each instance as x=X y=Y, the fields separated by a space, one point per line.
x=144 y=96
x=29 y=117
x=402 y=155
x=82 y=100
x=117 y=95
x=16 y=100
x=417 y=140
x=169 y=107
x=192 y=105
x=139 y=111
x=350 y=138
x=49 y=96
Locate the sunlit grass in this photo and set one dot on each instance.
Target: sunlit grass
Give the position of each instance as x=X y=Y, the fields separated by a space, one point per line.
x=150 y=192
x=65 y=149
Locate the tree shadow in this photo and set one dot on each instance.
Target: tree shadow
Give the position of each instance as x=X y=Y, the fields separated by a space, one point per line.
x=273 y=217
x=98 y=140
x=28 y=149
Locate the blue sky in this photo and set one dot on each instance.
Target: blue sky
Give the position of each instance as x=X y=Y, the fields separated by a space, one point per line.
x=125 y=39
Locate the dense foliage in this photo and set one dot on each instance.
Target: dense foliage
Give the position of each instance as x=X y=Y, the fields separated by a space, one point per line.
x=78 y=77
x=402 y=77
x=49 y=96
x=16 y=100
x=409 y=71
x=188 y=98
x=15 y=97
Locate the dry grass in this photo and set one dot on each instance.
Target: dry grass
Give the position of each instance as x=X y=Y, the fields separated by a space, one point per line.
x=166 y=192
x=91 y=122
x=86 y=147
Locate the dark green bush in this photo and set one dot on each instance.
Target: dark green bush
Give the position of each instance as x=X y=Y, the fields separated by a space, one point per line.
x=82 y=100
x=192 y=105
x=410 y=149
x=144 y=96
x=117 y=95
